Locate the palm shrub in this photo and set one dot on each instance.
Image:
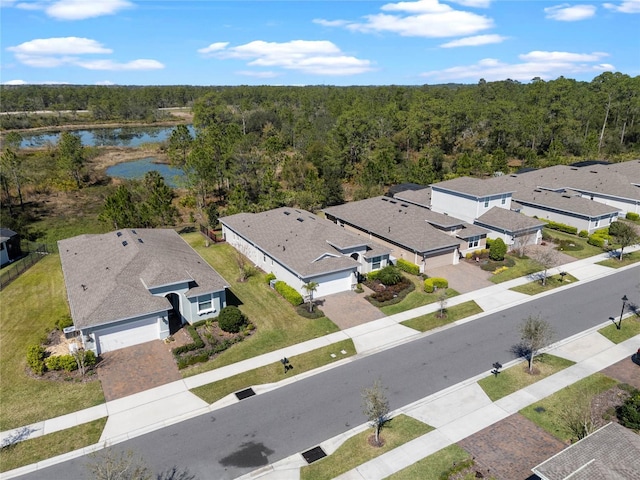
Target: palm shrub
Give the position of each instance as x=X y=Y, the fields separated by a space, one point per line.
x=231 y=319
x=389 y=275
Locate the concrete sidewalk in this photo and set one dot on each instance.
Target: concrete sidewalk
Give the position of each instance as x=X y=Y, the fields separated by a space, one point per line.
x=172 y=403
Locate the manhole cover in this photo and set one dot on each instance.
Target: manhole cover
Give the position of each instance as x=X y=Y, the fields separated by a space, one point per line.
x=316 y=453
x=246 y=393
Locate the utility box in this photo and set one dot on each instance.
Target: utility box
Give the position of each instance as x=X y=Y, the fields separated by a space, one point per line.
x=70 y=332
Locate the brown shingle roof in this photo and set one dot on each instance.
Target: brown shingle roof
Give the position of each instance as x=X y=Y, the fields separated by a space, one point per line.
x=108 y=276
x=474 y=187
x=508 y=221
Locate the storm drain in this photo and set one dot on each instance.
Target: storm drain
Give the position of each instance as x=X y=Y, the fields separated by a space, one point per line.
x=246 y=393
x=316 y=453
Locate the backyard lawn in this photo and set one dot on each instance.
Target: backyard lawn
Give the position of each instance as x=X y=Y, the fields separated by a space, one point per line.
x=278 y=324
x=25 y=398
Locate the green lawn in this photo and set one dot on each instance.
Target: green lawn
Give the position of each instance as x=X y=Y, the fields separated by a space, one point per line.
x=431 y=320
x=416 y=299
x=48 y=446
x=552 y=412
x=553 y=281
x=275 y=372
x=522 y=267
x=356 y=450
x=518 y=376
x=435 y=466
x=278 y=325
x=630 y=327
x=627 y=259
x=581 y=250
x=30 y=307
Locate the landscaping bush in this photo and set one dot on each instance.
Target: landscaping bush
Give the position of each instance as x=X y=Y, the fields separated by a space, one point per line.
x=408 y=267
x=195 y=336
x=90 y=359
x=632 y=216
x=288 y=293
x=489 y=241
x=561 y=227
x=64 y=322
x=583 y=234
x=392 y=294
x=431 y=284
x=389 y=275
x=498 y=250
x=61 y=362
x=614 y=228
x=490 y=265
x=35 y=359
x=231 y=319
x=629 y=412
x=268 y=277
x=599 y=238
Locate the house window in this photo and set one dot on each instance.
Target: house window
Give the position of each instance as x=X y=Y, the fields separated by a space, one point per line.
x=205 y=304
x=596 y=223
x=486 y=202
x=474 y=241
x=376 y=262
x=504 y=199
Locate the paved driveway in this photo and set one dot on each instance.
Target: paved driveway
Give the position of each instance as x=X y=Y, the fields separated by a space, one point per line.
x=135 y=369
x=464 y=277
x=348 y=309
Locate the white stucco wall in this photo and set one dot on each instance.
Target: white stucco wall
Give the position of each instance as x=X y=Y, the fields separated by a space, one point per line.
x=624 y=205
x=464 y=207
x=189 y=306
x=579 y=223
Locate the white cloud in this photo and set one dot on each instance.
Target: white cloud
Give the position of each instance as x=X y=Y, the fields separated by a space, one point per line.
x=546 y=65
x=55 y=52
x=627 y=6
x=105 y=82
x=319 y=57
x=570 y=13
x=475 y=41
x=140 y=64
x=75 y=9
x=474 y=3
x=214 y=47
x=250 y=73
x=424 y=18
x=40 y=82
x=15 y=82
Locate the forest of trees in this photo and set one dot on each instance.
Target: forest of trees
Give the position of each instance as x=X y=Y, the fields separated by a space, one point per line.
x=261 y=147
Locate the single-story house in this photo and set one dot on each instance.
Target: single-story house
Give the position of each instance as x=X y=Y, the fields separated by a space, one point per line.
x=515 y=229
x=9 y=246
x=136 y=285
x=415 y=234
x=299 y=247
x=610 y=453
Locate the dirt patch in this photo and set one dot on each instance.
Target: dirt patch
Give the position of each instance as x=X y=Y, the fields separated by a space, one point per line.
x=603 y=406
x=58 y=344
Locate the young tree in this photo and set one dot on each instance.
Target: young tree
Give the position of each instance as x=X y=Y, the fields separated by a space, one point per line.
x=71 y=156
x=535 y=333
x=120 y=209
x=546 y=258
x=179 y=145
x=376 y=407
x=625 y=235
x=442 y=301
x=310 y=288
x=110 y=465
x=12 y=166
x=498 y=250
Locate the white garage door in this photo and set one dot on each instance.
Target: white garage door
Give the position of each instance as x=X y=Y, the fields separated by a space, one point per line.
x=335 y=283
x=127 y=334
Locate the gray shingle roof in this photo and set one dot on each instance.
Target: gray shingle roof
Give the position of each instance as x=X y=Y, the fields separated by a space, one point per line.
x=6 y=234
x=610 y=453
x=108 y=276
x=474 y=187
x=564 y=202
x=305 y=243
x=401 y=223
x=420 y=197
x=507 y=220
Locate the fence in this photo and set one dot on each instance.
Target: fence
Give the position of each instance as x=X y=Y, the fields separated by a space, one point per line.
x=210 y=234
x=17 y=268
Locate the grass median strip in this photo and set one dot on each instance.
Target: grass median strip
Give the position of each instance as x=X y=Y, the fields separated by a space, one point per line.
x=627 y=259
x=566 y=409
x=517 y=377
x=356 y=450
x=436 y=466
x=416 y=299
x=48 y=446
x=432 y=320
x=553 y=281
x=630 y=327
x=274 y=372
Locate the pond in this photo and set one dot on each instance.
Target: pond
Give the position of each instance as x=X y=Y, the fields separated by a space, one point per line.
x=106 y=137
x=135 y=170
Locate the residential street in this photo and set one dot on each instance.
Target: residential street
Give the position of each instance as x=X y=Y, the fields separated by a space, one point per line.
x=261 y=430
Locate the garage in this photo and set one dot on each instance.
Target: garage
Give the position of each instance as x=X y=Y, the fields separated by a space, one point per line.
x=127 y=334
x=334 y=283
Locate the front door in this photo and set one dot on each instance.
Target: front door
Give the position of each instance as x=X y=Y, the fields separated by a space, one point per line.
x=175 y=318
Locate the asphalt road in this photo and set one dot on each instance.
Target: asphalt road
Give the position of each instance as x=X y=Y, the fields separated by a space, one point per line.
x=261 y=430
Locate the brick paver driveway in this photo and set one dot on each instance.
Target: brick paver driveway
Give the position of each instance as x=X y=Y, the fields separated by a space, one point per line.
x=464 y=277
x=135 y=369
x=348 y=309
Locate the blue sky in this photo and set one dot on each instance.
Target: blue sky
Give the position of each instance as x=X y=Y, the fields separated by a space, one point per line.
x=207 y=42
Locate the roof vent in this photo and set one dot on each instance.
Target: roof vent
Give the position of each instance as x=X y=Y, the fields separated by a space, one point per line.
x=125 y=243
x=384 y=199
x=287 y=213
x=537 y=190
x=140 y=240
x=393 y=201
x=119 y=234
x=404 y=205
x=300 y=219
x=593 y=171
x=574 y=168
x=134 y=232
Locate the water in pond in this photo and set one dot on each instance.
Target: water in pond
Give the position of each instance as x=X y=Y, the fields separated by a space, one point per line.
x=106 y=137
x=136 y=170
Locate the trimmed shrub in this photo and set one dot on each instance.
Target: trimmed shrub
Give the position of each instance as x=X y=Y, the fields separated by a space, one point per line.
x=195 y=336
x=289 y=293
x=35 y=359
x=561 y=227
x=498 y=250
x=90 y=358
x=583 y=234
x=268 y=277
x=231 y=319
x=62 y=362
x=599 y=238
x=629 y=412
x=408 y=267
x=489 y=241
x=431 y=284
x=615 y=227
x=389 y=275
x=64 y=322
x=632 y=216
